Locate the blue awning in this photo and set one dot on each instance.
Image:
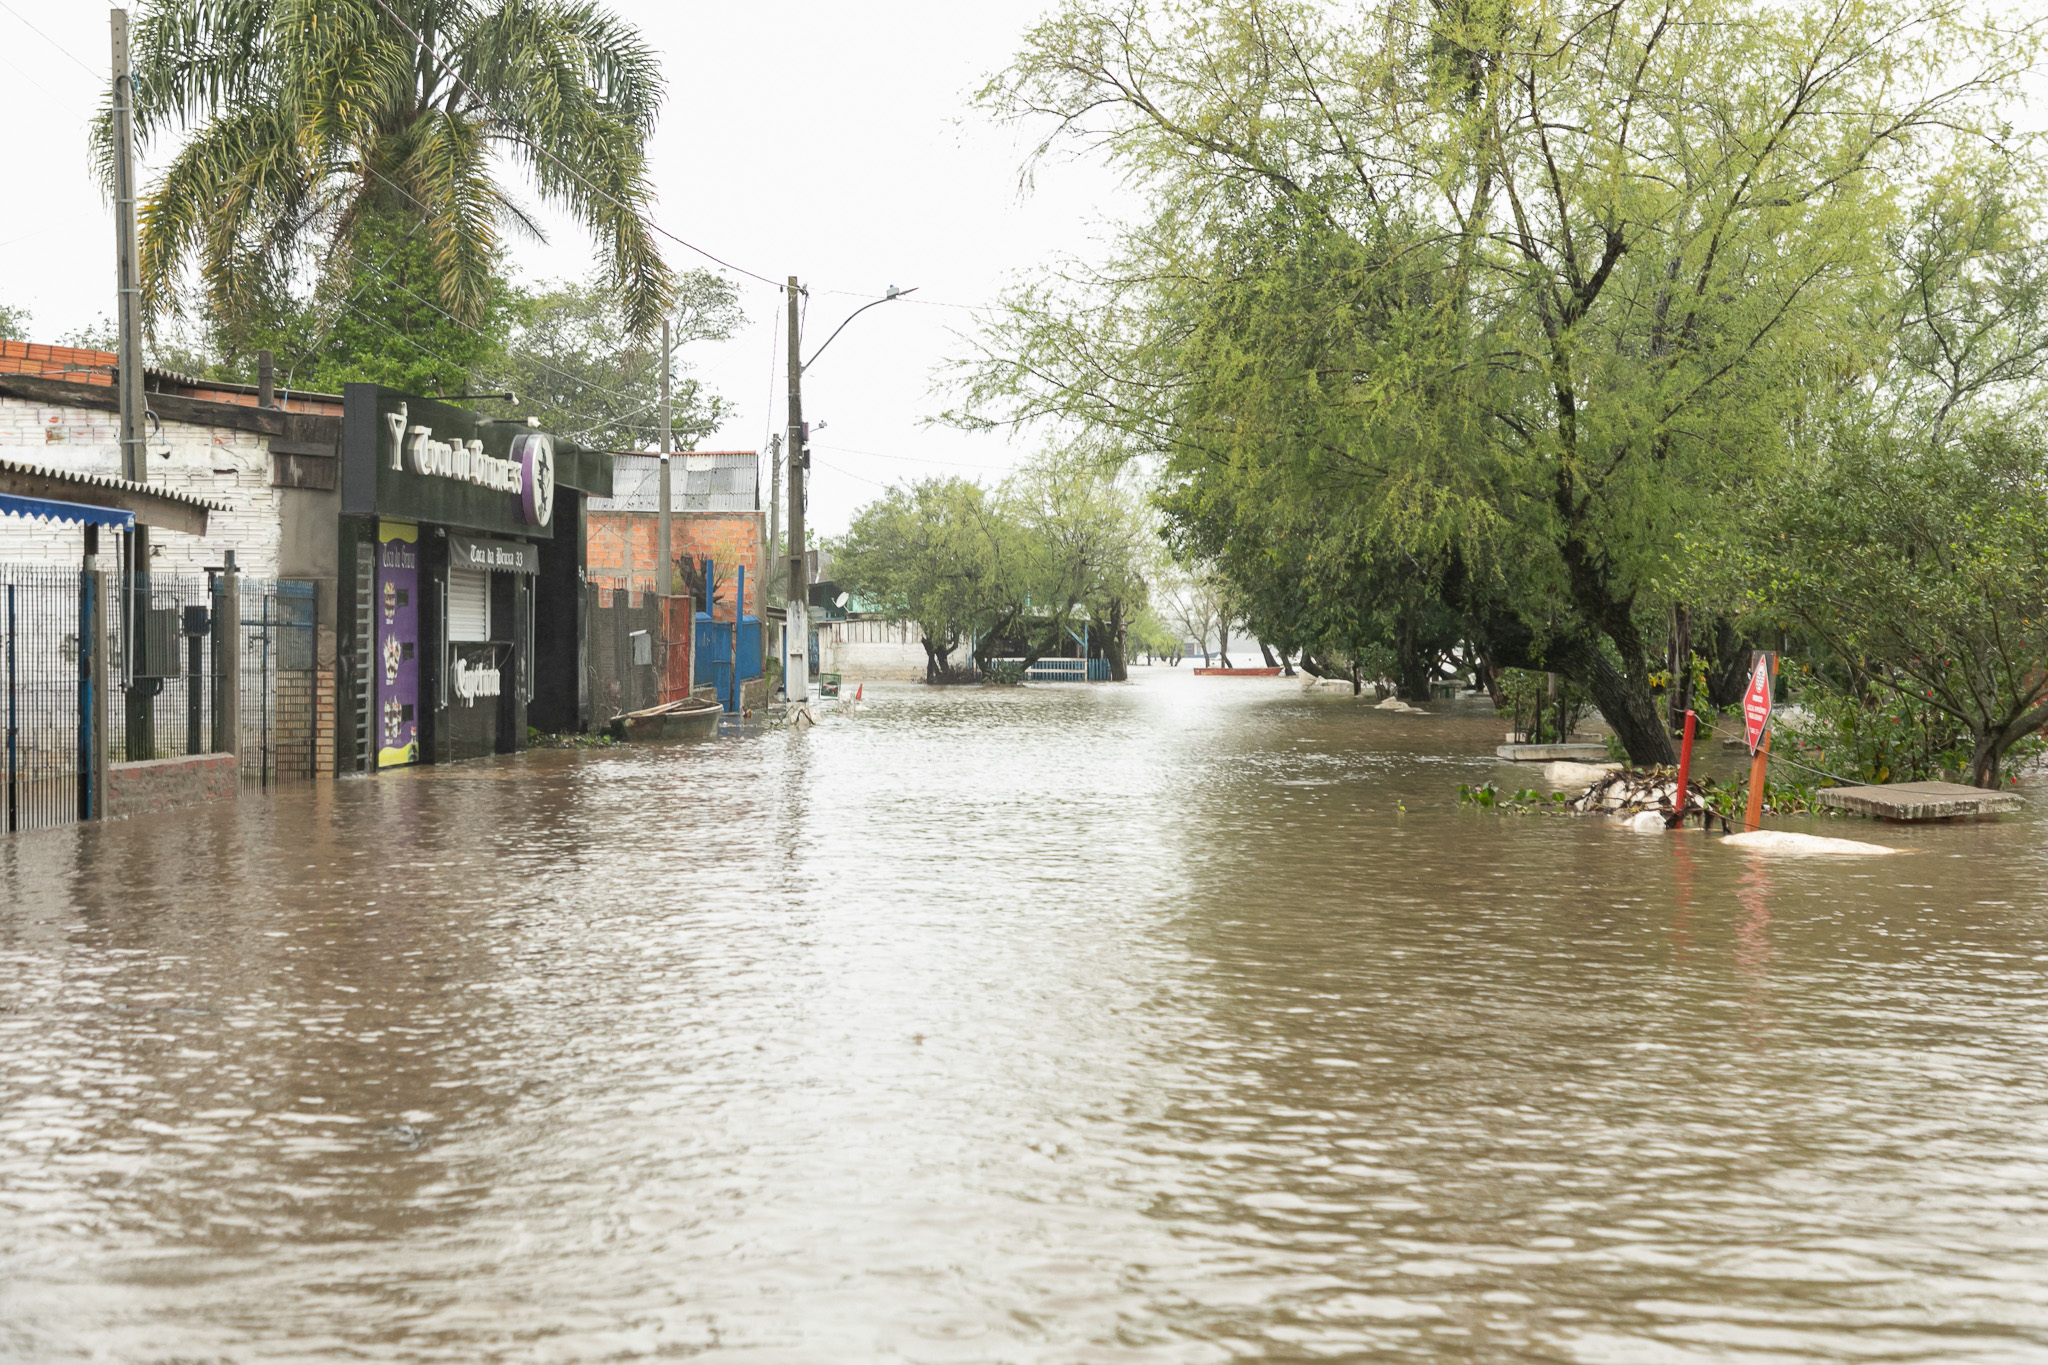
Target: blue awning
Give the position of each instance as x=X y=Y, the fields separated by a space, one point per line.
x=49 y=509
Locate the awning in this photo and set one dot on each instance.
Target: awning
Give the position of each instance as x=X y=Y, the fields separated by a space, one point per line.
x=148 y=504
x=49 y=509
x=501 y=556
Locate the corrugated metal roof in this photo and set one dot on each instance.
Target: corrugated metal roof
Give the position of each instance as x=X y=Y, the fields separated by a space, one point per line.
x=110 y=481
x=701 y=481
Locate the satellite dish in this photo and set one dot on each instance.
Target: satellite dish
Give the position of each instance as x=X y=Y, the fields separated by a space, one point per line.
x=841 y=600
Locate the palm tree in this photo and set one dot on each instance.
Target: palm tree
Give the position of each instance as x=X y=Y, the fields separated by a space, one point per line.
x=316 y=126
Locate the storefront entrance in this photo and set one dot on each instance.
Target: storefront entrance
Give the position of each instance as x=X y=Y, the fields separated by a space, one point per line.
x=449 y=521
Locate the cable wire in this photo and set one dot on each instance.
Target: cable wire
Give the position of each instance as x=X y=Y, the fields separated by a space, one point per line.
x=96 y=75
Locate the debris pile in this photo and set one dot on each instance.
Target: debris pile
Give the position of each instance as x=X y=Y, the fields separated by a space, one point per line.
x=1655 y=791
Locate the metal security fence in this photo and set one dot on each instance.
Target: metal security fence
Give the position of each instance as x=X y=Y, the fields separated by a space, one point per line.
x=39 y=669
x=158 y=631
x=170 y=649
x=280 y=697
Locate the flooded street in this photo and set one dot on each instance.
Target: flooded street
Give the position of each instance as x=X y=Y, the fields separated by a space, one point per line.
x=1126 y=1023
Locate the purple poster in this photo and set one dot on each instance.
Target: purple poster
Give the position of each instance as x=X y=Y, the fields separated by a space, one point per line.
x=398 y=644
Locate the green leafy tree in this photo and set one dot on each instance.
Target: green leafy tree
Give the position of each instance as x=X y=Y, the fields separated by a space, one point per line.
x=1912 y=538
x=1094 y=549
x=1517 y=292
x=575 y=362
x=1927 y=570
x=933 y=553
x=320 y=128
x=388 y=327
x=14 y=323
x=1059 y=544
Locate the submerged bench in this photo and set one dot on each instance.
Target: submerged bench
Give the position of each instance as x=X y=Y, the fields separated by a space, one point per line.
x=1919 y=800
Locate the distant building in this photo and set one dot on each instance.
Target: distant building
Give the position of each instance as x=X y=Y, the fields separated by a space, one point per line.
x=863 y=644
x=715 y=513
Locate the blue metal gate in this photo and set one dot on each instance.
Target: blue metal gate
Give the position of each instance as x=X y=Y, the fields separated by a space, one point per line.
x=713 y=655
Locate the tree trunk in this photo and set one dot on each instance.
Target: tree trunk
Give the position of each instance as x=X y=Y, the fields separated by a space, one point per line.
x=1681 y=666
x=1413 y=684
x=1490 y=675
x=1991 y=744
x=1113 y=643
x=1727 y=663
x=1223 y=642
x=1575 y=652
x=1266 y=653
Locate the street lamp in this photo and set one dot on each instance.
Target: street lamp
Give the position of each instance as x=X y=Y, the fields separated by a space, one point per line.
x=796 y=628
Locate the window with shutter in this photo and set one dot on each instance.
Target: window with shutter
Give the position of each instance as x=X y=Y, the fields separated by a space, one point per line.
x=469 y=604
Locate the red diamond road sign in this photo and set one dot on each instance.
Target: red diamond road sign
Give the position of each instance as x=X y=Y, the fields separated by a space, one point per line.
x=1756 y=701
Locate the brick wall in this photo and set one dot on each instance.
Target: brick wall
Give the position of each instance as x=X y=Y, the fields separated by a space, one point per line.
x=323 y=722
x=211 y=462
x=293 y=724
x=161 y=784
x=622 y=549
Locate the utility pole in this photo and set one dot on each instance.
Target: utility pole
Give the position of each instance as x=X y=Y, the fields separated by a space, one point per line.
x=664 y=523
x=796 y=630
x=774 y=528
x=142 y=671
x=128 y=315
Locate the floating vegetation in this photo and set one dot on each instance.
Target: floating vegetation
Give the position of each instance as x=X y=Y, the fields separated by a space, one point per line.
x=1634 y=792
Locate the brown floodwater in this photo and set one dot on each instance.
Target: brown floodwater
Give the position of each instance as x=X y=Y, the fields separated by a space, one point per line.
x=1185 y=1021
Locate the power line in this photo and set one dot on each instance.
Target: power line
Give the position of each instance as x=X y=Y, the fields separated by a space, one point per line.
x=96 y=75
x=851 y=475
x=913 y=459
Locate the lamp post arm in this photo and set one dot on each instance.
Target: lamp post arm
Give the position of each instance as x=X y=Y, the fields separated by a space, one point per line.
x=850 y=317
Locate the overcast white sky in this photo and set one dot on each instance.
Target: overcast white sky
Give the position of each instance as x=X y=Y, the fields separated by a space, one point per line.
x=830 y=141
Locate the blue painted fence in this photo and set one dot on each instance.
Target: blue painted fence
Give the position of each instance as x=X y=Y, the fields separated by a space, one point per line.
x=714 y=655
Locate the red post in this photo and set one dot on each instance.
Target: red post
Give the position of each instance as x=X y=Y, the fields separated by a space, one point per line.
x=1684 y=796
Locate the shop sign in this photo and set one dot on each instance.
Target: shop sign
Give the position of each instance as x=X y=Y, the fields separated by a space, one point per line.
x=529 y=473
x=473 y=680
x=493 y=556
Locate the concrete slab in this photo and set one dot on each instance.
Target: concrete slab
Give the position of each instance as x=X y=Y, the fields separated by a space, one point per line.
x=1577 y=775
x=1553 y=753
x=1919 y=800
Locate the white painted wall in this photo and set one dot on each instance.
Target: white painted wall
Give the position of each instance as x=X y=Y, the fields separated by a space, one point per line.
x=871 y=651
x=218 y=463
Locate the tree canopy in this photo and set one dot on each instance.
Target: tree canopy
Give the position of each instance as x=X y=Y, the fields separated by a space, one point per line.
x=1481 y=307
x=317 y=129
x=1058 y=544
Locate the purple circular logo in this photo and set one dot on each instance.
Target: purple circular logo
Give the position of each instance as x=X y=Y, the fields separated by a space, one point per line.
x=535 y=455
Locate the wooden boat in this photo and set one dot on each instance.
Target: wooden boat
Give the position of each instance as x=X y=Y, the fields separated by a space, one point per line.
x=688 y=718
x=1237 y=672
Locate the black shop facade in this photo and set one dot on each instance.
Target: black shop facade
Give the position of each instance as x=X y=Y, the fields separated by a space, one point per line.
x=461 y=565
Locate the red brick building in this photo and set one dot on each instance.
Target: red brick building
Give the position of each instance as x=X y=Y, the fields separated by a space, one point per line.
x=715 y=513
